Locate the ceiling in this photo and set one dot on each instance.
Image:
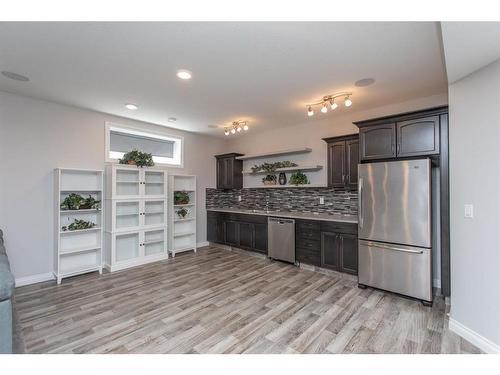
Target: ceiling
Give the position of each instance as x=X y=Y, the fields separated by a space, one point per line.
x=261 y=72
x=468 y=46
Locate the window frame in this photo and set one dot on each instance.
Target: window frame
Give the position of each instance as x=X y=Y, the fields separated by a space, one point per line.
x=179 y=140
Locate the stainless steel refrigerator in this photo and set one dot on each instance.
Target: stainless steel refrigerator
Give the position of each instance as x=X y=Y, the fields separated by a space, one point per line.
x=395 y=227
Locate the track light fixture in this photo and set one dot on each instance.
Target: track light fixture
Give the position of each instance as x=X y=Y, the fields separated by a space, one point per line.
x=236 y=126
x=329 y=100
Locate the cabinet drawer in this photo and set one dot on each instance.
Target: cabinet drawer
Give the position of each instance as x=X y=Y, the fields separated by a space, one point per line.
x=307 y=225
x=333 y=226
x=308 y=234
x=308 y=257
x=309 y=244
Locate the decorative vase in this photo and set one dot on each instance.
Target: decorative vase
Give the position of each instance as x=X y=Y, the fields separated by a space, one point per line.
x=282 y=178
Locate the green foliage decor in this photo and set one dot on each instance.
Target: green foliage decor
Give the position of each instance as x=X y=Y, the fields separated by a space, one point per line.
x=78 y=225
x=272 y=167
x=182 y=213
x=298 y=178
x=181 y=197
x=139 y=158
x=77 y=202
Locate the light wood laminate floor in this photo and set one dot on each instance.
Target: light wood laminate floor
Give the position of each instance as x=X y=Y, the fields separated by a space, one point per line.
x=220 y=301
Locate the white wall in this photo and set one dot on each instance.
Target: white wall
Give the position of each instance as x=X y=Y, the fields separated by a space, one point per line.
x=475 y=179
x=36 y=137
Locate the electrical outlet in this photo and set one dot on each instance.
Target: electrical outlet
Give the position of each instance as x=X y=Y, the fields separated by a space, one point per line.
x=239 y=198
x=468 y=211
x=321 y=200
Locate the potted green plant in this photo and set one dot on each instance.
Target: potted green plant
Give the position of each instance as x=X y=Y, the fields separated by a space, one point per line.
x=138 y=158
x=270 y=179
x=298 y=178
x=182 y=213
x=78 y=225
x=72 y=202
x=90 y=203
x=181 y=197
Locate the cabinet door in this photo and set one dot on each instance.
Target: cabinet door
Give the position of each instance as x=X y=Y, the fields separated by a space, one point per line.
x=154 y=212
x=231 y=233
x=418 y=137
x=154 y=183
x=128 y=215
x=246 y=235
x=128 y=246
x=220 y=174
x=260 y=240
x=154 y=242
x=352 y=161
x=378 y=142
x=127 y=183
x=215 y=230
x=348 y=244
x=228 y=173
x=336 y=164
x=330 y=255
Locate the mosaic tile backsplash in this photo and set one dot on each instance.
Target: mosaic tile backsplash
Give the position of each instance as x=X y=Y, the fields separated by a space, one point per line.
x=285 y=199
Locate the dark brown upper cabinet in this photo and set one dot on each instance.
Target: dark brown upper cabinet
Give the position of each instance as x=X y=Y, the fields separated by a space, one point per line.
x=418 y=137
x=378 y=142
x=399 y=136
x=229 y=171
x=342 y=160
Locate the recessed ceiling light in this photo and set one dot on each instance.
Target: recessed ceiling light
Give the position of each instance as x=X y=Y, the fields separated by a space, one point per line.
x=171 y=119
x=15 y=76
x=131 y=106
x=364 y=82
x=184 y=74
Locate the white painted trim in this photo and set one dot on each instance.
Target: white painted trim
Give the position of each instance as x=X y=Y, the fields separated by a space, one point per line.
x=34 y=279
x=108 y=125
x=473 y=337
x=202 y=244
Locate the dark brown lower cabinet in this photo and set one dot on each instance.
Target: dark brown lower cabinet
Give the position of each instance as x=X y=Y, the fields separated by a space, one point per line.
x=339 y=247
x=248 y=232
x=307 y=244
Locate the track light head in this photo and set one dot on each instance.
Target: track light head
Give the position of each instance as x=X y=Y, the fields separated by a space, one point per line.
x=324 y=109
x=310 y=111
x=333 y=105
x=245 y=127
x=226 y=131
x=347 y=102
x=233 y=131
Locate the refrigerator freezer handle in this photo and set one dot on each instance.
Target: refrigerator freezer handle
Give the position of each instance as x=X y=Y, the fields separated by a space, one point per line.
x=360 y=204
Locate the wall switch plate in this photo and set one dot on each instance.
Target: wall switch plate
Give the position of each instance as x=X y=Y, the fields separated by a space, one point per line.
x=468 y=211
x=239 y=198
x=321 y=200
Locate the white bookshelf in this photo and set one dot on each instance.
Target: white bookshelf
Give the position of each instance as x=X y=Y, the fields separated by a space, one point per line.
x=77 y=251
x=182 y=231
x=137 y=214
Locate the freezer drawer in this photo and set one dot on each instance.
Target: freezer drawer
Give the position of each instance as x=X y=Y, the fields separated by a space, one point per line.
x=396 y=268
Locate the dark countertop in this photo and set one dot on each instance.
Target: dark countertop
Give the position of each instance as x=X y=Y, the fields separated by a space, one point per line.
x=293 y=215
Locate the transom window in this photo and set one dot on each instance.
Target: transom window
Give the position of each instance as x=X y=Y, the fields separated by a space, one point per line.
x=166 y=149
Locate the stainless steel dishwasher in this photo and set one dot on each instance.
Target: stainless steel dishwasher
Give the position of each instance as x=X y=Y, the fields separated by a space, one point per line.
x=281 y=239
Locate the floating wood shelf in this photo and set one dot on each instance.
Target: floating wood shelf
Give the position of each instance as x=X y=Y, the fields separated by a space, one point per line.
x=291 y=151
x=288 y=169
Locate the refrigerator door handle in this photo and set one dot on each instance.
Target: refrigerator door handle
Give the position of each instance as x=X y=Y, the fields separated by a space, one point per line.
x=388 y=247
x=360 y=208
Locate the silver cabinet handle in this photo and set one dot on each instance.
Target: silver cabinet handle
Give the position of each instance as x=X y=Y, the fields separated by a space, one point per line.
x=382 y=246
x=360 y=204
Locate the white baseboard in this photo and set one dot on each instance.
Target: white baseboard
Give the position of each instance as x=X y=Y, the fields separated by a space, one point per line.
x=473 y=337
x=34 y=279
x=202 y=244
